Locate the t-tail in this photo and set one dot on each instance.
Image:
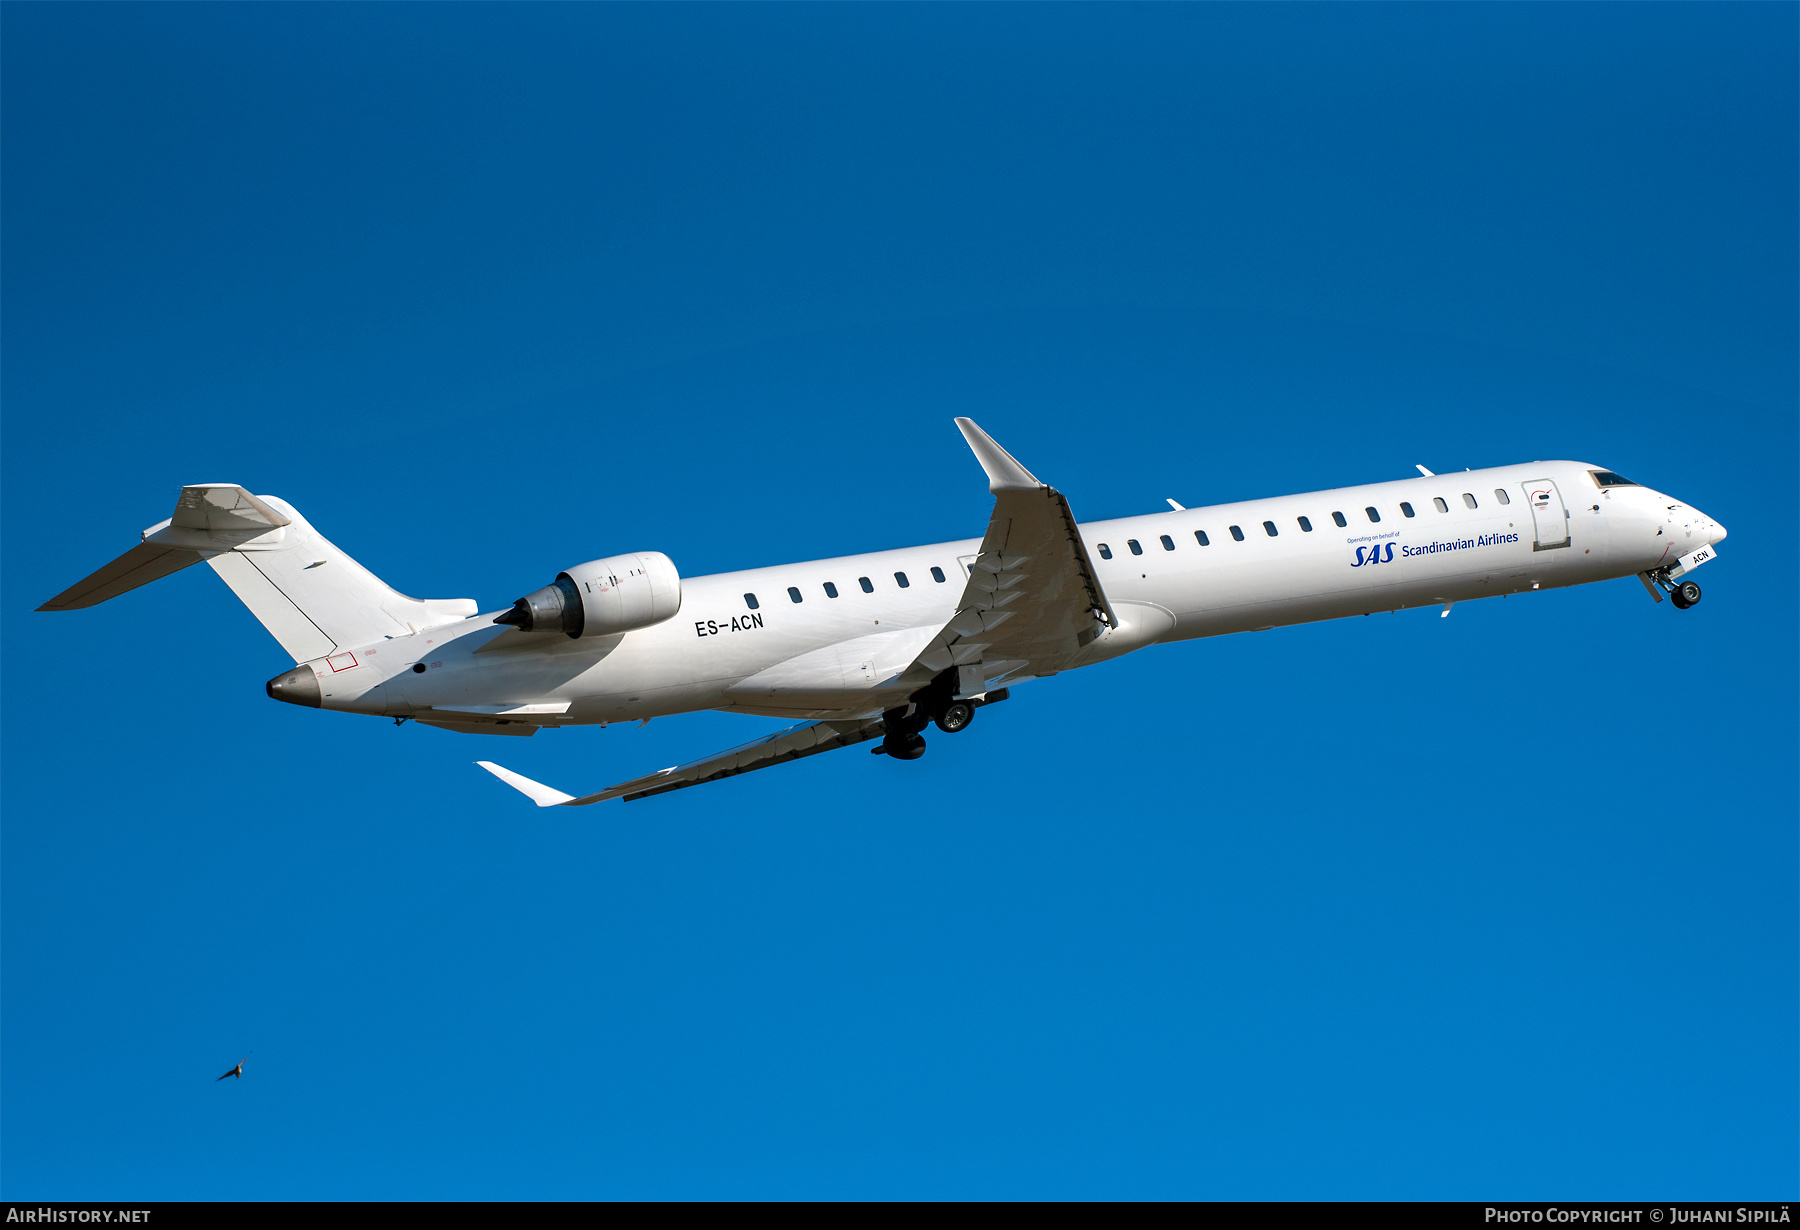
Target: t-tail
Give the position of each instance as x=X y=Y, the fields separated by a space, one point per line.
x=312 y=597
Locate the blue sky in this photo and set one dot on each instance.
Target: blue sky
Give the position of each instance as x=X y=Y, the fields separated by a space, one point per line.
x=487 y=291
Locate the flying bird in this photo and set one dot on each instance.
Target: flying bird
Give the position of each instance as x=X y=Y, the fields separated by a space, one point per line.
x=237 y=1071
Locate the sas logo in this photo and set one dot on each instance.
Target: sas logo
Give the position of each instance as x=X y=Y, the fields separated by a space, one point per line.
x=1374 y=554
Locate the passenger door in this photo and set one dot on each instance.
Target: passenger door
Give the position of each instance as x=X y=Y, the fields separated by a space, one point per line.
x=1549 y=517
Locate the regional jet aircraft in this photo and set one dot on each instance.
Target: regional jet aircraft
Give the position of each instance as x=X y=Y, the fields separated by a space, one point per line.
x=880 y=646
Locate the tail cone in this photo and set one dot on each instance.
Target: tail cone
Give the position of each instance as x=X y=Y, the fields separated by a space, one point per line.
x=297 y=687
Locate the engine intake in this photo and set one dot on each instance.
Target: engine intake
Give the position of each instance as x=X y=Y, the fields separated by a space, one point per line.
x=601 y=597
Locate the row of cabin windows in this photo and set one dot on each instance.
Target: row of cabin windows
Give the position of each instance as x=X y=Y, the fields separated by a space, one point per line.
x=1305 y=523
x=831 y=590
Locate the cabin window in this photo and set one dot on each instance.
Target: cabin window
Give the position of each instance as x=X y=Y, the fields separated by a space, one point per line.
x=1406 y=508
x=1135 y=548
x=1305 y=526
x=1373 y=515
x=1500 y=494
x=1105 y=551
x=750 y=601
x=1606 y=478
x=900 y=580
x=1438 y=500
x=1168 y=543
x=868 y=586
x=1201 y=538
x=793 y=593
x=1269 y=528
x=830 y=590
x=1339 y=518
x=1469 y=500
x=1237 y=533
x=937 y=574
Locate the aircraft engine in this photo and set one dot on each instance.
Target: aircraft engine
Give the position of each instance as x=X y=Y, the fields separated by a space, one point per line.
x=602 y=597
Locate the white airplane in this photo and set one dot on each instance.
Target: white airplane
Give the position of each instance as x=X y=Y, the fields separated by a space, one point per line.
x=879 y=646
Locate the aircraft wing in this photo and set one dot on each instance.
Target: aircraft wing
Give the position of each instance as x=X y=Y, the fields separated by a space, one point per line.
x=808 y=739
x=1033 y=600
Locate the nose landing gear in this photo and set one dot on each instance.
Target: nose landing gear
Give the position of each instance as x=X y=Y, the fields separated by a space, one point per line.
x=1683 y=594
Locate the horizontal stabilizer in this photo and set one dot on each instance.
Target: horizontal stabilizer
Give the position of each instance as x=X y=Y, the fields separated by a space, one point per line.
x=209 y=519
x=141 y=565
x=224 y=508
x=313 y=598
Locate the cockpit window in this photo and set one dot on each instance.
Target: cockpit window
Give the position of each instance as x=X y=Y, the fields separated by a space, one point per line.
x=1606 y=478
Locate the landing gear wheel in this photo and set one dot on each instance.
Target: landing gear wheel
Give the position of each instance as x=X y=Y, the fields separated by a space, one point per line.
x=956 y=716
x=904 y=746
x=1685 y=595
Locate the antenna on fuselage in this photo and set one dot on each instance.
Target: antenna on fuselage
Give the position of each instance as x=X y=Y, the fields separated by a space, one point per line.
x=1421 y=469
x=1175 y=506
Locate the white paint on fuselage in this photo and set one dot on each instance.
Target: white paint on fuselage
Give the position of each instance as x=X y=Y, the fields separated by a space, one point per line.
x=694 y=660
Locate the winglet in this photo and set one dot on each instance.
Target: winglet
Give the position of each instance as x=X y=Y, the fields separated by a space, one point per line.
x=1004 y=474
x=537 y=792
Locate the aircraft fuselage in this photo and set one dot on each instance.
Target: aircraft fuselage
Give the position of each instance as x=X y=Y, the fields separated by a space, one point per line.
x=741 y=641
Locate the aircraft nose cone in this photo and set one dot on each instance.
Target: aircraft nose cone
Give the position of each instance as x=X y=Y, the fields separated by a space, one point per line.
x=297 y=687
x=1715 y=533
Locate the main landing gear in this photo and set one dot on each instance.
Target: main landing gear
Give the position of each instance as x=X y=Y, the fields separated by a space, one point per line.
x=1683 y=594
x=956 y=716
x=935 y=703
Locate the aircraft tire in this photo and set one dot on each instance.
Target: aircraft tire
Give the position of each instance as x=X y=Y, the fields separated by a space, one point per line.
x=956 y=716
x=904 y=746
x=1686 y=595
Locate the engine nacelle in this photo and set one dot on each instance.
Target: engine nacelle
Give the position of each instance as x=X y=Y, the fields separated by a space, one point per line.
x=617 y=594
